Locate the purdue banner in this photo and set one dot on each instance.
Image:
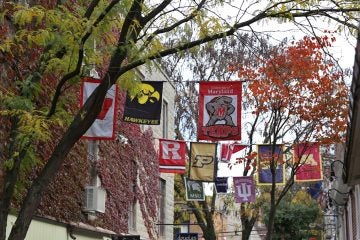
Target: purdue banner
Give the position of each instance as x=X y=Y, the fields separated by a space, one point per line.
x=202 y=161
x=103 y=127
x=145 y=106
x=266 y=154
x=172 y=156
x=194 y=190
x=310 y=167
x=244 y=189
x=220 y=111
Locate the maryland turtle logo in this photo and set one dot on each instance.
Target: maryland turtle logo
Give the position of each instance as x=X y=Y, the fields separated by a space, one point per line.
x=147 y=94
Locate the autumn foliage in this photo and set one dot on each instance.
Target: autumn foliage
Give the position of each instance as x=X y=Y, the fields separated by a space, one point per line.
x=304 y=85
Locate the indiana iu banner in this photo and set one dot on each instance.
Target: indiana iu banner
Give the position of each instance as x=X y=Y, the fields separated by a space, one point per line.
x=220 y=111
x=266 y=154
x=145 y=106
x=172 y=156
x=228 y=149
x=202 y=161
x=310 y=165
x=244 y=189
x=104 y=126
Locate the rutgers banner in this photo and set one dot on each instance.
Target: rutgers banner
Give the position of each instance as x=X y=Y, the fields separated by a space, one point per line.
x=267 y=154
x=202 y=161
x=145 y=106
x=172 y=156
x=310 y=167
x=244 y=189
x=228 y=149
x=220 y=111
x=104 y=126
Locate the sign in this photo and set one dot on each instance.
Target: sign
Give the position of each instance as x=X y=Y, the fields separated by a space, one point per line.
x=187 y=236
x=202 y=161
x=145 y=106
x=244 y=189
x=172 y=156
x=266 y=155
x=219 y=111
x=134 y=237
x=103 y=127
x=194 y=190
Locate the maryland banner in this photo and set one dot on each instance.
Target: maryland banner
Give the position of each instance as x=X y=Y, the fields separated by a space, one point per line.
x=194 y=190
x=310 y=164
x=172 y=156
x=202 y=161
x=104 y=126
x=228 y=149
x=267 y=154
x=244 y=189
x=145 y=106
x=221 y=184
x=220 y=111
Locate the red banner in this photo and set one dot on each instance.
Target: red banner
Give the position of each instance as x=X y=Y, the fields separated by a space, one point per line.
x=228 y=149
x=220 y=111
x=172 y=156
x=104 y=126
x=310 y=166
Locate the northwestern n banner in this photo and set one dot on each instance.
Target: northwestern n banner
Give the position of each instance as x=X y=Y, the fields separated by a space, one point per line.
x=145 y=106
x=202 y=161
x=219 y=111
x=194 y=190
x=244 y=189
x=307 y=155
x=103 y=127
x=221 y=184
x=266 y=155
x=228 y=149
x=172 y=156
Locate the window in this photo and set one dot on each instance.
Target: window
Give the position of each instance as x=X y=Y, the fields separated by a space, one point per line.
x=162 y=207
x=165 y=119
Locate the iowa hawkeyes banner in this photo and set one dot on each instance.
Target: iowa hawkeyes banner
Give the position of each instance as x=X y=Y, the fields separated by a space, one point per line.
x=310 y=167
x=103 y=127
x=145 y=106
x=202 y=161
x=267 y=154
x=194 y=190
x=220 y=111
x=172 y=156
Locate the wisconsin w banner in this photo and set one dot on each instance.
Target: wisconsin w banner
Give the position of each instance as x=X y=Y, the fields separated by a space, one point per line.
x=172 y=156
x=220 y=111
x=194 y=190
x=309 y=159
x=145 y=106
x=228 y=149
x=104 y=126
x=267 y=154
x=244 y=189
x=202 y=161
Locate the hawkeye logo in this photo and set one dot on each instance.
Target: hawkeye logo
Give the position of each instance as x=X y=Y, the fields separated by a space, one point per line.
x=147 y=94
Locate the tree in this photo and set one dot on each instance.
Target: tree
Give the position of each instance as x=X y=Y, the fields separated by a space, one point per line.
x=293 y=217
x=53 y=43
x=302 y=97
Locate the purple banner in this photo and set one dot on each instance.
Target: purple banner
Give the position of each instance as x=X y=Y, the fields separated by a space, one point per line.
x=244 y=189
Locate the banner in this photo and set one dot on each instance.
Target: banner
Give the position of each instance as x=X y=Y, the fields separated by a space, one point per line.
x=145 y=106
x=221 y=184
x=266 y=154
x=310 y=166
x=187 y=236
x=244 y=189
x=103 y=127
x=228 y=149
x=172 y=156
x=219 y=111
x=194 y=190
x=202 y=161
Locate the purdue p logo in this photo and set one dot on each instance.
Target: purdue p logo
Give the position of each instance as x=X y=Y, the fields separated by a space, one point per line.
x=201 y=160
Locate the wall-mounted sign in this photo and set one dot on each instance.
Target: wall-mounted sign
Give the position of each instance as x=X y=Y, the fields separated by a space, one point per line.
x=187 y=236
